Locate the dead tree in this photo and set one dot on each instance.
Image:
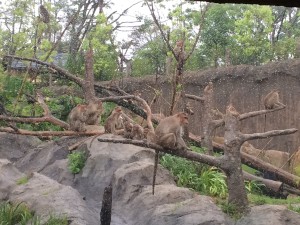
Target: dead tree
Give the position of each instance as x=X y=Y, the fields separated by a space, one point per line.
x=209 y=125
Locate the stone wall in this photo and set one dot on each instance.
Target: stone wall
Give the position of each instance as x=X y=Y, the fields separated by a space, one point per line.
x=245 y=87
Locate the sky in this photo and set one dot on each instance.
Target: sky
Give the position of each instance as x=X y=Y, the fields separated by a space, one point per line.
x=120 y=6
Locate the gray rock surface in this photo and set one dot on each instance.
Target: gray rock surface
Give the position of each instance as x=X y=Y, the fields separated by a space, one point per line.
x=14 y=147
x=52 y=188
x=270 y=215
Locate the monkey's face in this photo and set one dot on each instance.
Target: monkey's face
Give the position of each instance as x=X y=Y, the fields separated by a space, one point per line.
x=81 y=108
x=183 y=117
x=118 y=110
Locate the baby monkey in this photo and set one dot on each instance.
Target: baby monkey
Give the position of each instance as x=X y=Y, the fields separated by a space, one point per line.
x=128 y=126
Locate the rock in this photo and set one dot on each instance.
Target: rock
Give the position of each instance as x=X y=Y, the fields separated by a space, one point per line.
x=14 y=147
x=270 y=215
x=169 y=205
x=9 y=176
x=129 y=170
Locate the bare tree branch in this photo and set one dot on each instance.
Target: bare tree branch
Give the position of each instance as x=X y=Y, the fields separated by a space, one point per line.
x=260 y=112
x=124 y=12
x=267 y=134
x=194 y=97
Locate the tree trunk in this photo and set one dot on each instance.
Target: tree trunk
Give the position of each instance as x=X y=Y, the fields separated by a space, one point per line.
x=89 y=91
x=235 y=181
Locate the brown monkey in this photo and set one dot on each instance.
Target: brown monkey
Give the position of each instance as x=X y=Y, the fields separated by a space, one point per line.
x=209 y=88
x=94 y=110
x=178 y=49
x=77 y=118
x=120 y=123
x=44 y=14
x=271 y=100
x=137 y=132
x=112 y=120
x=168 y=134
x=170 y=130
x=128 y=129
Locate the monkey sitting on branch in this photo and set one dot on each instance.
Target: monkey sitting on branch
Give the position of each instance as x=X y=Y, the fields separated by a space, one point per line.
x=83 y=115
x=169 y=131
x=271 y=100
x=168 y=134
x=113 y=121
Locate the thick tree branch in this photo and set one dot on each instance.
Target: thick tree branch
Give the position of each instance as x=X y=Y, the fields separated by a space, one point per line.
x=261 y=165
x=47 y=116
x=49 y=133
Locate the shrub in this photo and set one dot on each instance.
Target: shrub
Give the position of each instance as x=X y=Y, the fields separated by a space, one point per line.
x=76 y=161
x=197 y=176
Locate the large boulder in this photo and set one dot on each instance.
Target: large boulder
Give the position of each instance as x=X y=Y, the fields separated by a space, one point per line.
x=270 y=215
x=43 y=195
x=14 y=147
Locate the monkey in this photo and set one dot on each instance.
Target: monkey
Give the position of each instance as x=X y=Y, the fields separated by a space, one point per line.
x=128 y=130
x=112 y=120
x=232 y=110
x=83 y=115
x=168 y=134
x=178 y=49
x=77 y=118
x=155 y=116
x=94 y=110
x=44 y=14
x=170 y=130
x=217 y=114
x=120 y=123
x=271 y=101
x=209 y=88
x=137 y=132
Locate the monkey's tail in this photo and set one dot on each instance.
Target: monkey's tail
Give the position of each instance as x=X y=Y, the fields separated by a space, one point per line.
x=155 y=170
x=265 y=123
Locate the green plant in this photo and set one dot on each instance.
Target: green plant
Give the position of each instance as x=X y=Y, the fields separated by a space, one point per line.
x=22 y=180
x=76 y=161
x=14 y=214
x=19 y=214
x=231 y=210
x=294 y=208
x=254 y=187
x=212 y=182
x=53 y=220
x=197 y=176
